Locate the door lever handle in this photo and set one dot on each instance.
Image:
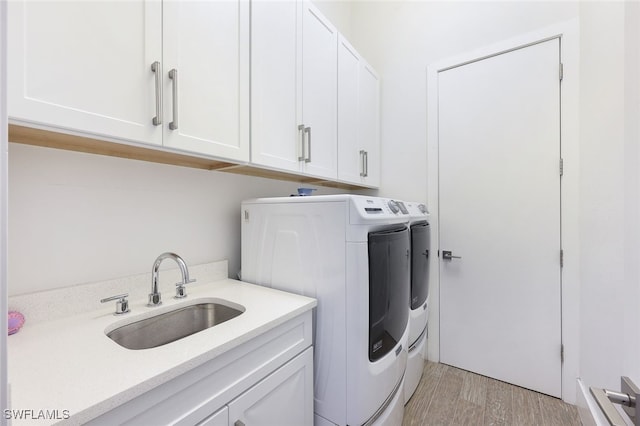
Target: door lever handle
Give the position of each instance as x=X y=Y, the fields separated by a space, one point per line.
x=446 y=255
x=627 y=398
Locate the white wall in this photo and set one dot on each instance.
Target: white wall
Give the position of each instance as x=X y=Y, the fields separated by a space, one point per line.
x=339 y=13
x=76 y=218
x=401 y=38
x=610 y=237
x=3 y=212
x=630 y=364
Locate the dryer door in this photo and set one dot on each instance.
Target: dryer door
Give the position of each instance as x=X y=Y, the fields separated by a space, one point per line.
x=388 y=289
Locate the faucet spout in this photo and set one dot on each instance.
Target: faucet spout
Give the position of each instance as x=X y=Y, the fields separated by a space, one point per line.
x=155 y=297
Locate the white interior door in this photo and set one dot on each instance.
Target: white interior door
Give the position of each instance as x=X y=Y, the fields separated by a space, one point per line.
x=499 y=201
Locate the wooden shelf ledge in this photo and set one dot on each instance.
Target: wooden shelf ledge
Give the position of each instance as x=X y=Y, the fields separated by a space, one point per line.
x=52 y=139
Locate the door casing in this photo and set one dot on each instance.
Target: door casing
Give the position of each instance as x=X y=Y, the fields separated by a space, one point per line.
x=569 y=34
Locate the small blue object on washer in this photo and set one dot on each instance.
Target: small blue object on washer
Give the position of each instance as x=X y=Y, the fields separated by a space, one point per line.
x=305 y=191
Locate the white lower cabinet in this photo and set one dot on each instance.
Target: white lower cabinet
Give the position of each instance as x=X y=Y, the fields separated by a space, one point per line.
x=284 y=398
x=219 y=418
x=266 y=381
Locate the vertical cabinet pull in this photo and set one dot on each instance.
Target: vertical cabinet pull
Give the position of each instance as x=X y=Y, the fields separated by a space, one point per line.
x=302 y=155
x=173 y=75
x=366 y=163
x=364 y=158
x=305 y=151
x=156 y=68
x=307 y=130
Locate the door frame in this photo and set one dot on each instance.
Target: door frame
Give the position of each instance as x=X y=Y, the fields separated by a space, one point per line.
x=569 y=34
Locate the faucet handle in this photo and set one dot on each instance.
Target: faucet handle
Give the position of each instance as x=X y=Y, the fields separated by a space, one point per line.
x=122 y=304
x=181 y=292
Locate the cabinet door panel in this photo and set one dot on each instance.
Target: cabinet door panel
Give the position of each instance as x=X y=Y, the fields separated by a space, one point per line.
x=349 y=158
x=275 y=86
x=219 y=418
x=320 y=91
x=283 y=398
x=207 y=43
x=85 y=66
x=369 y=121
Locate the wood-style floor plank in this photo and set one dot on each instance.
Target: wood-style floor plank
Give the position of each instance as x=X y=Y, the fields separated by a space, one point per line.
x=557 y=413
x=526 y=407
x=498 y=408
x=416 y=408
x=468 y=413
x=474 y=388
x=449 y=396
x=444 y=400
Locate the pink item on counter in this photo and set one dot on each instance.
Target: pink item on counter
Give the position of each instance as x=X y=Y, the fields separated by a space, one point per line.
x=16 y=319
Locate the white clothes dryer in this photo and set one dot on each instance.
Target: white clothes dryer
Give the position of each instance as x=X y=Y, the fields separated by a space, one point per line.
x=420 y=232
x=351 y=253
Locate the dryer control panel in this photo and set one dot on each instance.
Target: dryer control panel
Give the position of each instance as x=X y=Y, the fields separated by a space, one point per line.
x=417 y=210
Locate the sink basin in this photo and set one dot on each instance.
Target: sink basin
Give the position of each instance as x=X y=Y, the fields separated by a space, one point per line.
x=172 y=325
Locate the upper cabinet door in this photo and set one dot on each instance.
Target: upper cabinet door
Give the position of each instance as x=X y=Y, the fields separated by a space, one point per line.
x=369 y=122
x=85 y=66
x=206 y=77
x=276 y=90
x=351 y=157
x=319 y=93
x=358 y=118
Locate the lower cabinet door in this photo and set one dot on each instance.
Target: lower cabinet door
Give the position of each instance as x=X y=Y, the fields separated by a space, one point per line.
x=284 y=398
x=219 y=418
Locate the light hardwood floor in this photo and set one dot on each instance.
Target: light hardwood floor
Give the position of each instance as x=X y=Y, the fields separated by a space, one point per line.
x=450 y=396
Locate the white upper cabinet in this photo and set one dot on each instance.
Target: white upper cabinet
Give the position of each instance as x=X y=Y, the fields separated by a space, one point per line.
x=358 y=118
x=86 y=66
x=350 y=158
x=319 y=93
x=294 y=88
x=206 y=77
x=369 y=122
x=276 y=90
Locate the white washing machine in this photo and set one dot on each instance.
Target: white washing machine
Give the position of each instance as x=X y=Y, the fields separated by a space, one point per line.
x=351 y=253
x=419 y=302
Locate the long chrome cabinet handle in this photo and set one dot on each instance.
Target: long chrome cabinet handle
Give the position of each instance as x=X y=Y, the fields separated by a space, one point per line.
x=156 y=68
x=362 y=163
x=173 y=75
x=366 y=163
x=302 y=155
x=307 y=130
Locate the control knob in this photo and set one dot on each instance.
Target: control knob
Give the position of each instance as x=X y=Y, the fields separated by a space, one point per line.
x=423 y=209
x=393 y=206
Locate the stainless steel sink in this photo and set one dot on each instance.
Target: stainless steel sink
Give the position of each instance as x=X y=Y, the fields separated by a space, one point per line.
x=172 y=325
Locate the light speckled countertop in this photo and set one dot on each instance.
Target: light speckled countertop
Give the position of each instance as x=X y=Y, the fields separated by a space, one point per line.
x=70 y=364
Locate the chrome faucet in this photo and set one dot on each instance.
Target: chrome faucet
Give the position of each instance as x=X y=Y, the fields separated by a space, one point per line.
x=155 y=298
